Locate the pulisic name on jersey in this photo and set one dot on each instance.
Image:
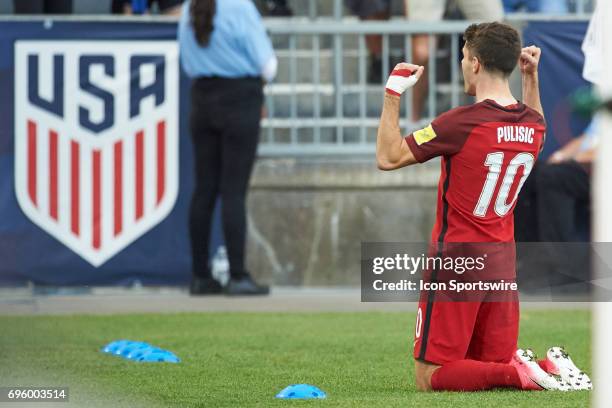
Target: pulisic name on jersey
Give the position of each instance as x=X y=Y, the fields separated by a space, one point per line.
x=514 y=133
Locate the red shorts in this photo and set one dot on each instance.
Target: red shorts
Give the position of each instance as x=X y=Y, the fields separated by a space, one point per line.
x=478 y=330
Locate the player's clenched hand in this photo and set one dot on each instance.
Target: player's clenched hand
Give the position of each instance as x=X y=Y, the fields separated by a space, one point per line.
x=403 y=76
x=529 y=60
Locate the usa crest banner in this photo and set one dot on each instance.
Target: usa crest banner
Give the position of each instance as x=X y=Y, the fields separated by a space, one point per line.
x=95 y=154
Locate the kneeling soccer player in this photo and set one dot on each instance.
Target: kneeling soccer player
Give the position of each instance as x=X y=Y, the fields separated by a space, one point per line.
x=488 y=150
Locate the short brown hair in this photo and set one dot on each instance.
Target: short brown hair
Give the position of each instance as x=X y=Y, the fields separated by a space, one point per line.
x=497 y=46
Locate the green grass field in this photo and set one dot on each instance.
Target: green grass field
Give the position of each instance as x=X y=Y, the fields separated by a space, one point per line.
x=243 y=359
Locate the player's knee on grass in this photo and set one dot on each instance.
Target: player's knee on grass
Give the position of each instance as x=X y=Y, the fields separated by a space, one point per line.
x=423 y=372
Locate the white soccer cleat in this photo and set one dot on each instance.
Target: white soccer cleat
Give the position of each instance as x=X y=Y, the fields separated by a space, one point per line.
x=558 y=362
x=531 y=374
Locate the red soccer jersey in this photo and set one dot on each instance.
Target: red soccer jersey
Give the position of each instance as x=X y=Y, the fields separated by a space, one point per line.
x=488 y=151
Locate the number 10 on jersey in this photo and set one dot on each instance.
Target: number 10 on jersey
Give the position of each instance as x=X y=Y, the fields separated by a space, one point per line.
x=495 y=163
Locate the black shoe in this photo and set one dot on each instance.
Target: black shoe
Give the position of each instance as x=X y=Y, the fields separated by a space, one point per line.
x=199 y=287
x=245 y=286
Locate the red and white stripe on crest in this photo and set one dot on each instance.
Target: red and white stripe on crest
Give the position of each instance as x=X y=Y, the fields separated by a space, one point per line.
x=96 y=192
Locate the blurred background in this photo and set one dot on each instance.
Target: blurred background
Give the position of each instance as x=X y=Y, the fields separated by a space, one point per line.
x=315 y=193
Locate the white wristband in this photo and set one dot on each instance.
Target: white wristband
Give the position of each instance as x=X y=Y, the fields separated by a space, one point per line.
x=400 y=80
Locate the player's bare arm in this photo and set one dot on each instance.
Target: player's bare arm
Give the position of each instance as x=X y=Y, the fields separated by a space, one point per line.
x=392 y=152
x=528 y=63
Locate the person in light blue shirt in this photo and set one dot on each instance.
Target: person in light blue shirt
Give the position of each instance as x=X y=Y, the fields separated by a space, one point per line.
x=226 y=52
x=238 y=46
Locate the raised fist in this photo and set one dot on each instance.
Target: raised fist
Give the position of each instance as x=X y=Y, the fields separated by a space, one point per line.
x=529 y=60
x=403 y=76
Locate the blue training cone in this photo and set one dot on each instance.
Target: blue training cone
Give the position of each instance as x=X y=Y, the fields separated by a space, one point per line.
x=301 y=391
x=139 y=351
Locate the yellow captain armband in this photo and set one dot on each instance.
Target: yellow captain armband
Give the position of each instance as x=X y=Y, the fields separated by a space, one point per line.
x=424 y=135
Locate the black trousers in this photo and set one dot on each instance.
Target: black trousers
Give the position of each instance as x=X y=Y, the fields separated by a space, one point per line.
x=561 y=188
x=42 y=6
x=547 y=206
x=551 y=202
x=225 y=115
